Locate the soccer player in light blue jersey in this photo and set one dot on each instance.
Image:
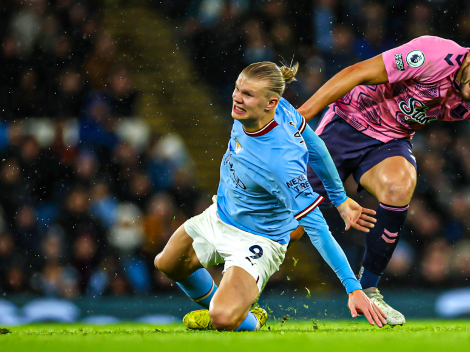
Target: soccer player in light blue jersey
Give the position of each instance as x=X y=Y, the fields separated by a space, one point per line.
x=263 y=196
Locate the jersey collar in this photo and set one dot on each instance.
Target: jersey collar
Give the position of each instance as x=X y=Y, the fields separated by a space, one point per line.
x=262 y=131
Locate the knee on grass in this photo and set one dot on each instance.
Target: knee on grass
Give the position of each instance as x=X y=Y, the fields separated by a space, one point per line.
x=224 y=319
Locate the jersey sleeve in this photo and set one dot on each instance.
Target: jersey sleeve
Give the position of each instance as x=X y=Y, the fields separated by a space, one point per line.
x=322 y=164
x=317 y=229
x=293 y=114
x=426 y=59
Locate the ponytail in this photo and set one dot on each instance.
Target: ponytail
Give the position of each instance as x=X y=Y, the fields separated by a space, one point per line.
x=276 y=77
x=289 y=72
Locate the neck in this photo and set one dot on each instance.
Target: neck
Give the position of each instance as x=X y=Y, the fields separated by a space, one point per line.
x=458 y=77
x=253 y=125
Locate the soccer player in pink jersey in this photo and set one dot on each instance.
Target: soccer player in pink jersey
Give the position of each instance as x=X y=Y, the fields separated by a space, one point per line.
x=373 y=110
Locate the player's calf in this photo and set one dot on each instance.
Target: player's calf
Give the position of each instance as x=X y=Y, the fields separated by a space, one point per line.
x=179 y=262
x=392 y=181
x=381 y=242
x=196 y=283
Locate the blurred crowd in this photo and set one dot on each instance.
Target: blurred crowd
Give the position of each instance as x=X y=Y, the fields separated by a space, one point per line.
x=324 y=36
x=90 y=194
x=53 y=54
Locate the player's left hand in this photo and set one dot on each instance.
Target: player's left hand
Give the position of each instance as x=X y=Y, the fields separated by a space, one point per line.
x=359 y=303
x=356 y=216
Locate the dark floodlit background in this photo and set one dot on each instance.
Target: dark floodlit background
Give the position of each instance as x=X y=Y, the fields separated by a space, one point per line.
x=114 y=116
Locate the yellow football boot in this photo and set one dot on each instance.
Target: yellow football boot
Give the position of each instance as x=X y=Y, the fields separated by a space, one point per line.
x=262 y=316
x=198 y=320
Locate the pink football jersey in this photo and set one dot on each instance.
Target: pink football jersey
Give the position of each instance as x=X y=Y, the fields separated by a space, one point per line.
x=421 y=89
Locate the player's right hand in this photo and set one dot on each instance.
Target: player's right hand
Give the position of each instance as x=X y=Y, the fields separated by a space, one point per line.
x=359 y=303
x=356 y=216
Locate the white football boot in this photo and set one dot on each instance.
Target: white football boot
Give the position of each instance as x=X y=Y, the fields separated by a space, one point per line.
x=394 y=316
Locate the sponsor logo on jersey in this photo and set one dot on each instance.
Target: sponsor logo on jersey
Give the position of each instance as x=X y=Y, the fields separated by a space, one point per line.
x=415 y=58
x=415 y=110
x=232 y=173
x=238 y=146
x=300 y=185
x=399 y=62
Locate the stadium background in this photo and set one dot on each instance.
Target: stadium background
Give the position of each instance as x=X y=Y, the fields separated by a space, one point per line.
x=115 y=114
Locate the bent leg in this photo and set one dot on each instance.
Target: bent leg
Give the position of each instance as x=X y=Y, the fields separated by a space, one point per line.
x=249 y=262
x=392 y=182
x=178 y=261
x=229 y=308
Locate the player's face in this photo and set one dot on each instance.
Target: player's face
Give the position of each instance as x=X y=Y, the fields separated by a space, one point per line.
x=249 y=99
x=465 y=82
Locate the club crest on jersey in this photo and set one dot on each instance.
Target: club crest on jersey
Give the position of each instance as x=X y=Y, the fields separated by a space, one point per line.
x=415 y=110
x=415 y=58
x=238 y=146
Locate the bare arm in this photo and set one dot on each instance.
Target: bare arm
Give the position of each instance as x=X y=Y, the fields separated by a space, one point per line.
x=369 y=72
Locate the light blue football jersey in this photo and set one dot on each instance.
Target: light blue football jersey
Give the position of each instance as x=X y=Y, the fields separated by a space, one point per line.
x=263 y=177
x=264 y=188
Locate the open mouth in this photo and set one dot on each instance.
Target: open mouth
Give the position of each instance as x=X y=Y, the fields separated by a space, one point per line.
x=238 y=110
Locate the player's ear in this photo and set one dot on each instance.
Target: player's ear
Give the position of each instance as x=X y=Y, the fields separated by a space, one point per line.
x=272 y=104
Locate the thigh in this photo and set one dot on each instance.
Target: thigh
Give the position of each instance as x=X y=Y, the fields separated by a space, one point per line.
x=378 y=160
x=296 y=234
x=390 y=172
x=236 y=293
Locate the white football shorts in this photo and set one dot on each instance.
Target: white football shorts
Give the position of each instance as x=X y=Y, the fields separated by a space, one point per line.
x=216 y=242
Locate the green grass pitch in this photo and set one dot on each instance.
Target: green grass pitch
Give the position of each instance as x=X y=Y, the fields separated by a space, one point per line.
x=330 y=336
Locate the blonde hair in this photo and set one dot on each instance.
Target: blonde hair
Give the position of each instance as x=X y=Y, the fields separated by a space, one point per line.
x=276 y=77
